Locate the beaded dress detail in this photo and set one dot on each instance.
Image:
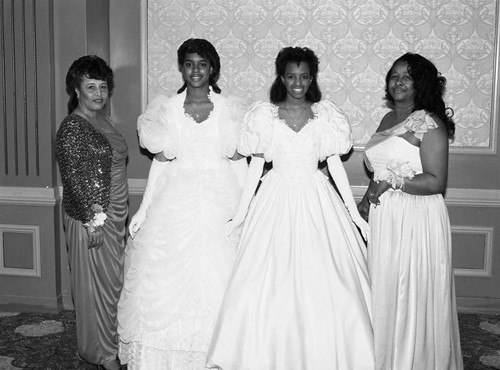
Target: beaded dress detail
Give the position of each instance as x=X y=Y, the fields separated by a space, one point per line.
x=94 y=171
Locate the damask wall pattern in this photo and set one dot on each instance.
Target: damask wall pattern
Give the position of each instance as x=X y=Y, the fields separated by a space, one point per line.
x=356 y=41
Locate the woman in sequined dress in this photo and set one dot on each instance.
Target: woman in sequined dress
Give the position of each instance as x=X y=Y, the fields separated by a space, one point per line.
x=92 y=158
x=409 y=256
x=179 y=260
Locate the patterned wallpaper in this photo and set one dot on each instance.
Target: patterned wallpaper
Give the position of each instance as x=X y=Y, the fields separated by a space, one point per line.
x=356 y=40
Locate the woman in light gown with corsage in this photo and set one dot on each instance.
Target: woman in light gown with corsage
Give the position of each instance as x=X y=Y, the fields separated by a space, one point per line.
x=179 y=260
x=299 y=294
x=414 y=311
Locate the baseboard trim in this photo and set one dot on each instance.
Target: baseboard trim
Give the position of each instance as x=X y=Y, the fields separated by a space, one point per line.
x=478 y=305
x=30 y=304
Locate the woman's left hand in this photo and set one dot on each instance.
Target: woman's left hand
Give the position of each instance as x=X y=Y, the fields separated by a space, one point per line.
x=375 y=190
x=96 y=237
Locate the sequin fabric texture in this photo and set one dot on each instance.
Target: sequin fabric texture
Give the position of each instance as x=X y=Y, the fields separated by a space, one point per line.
x=85 y=156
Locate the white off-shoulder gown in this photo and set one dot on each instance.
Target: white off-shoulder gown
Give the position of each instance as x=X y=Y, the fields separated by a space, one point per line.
x=178 y=264
x=299 y=294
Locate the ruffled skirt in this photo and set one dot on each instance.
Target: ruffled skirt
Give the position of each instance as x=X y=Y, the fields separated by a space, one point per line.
x=176 y=270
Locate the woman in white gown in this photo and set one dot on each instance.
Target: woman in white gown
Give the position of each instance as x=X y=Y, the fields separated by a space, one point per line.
x=414 y=312
x=179 y=260
x=299 y=294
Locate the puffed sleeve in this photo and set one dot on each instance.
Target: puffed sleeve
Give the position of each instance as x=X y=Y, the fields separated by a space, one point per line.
x=336 y=137
x=419 y=123
x=155 y=129
x=258 y=131
x=231 y=124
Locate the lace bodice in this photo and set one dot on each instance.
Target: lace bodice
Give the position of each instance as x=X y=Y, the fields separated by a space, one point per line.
x=165 y=127
x=295 y=154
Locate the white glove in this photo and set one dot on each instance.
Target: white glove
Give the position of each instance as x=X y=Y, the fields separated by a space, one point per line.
x=337 y=170
x=240 y=168
x=251 y=181
x=155 y=171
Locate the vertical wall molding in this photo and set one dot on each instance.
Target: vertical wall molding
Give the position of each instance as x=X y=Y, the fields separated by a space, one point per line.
x=24 y=28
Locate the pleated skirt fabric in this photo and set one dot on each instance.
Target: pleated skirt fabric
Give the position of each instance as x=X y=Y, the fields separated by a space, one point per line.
x=299 y=294
x=410 y=260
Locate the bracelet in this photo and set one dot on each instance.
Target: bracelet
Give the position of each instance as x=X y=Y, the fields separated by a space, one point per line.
x=395 y=173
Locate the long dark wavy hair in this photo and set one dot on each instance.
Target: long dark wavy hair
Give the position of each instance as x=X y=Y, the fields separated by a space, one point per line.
x=205 y=50
x=90 y=66
x=429 y=86
x=295 y=55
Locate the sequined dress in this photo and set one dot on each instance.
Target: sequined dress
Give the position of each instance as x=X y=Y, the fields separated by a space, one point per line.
x=93 y=170
x=414 y=311
x=299 y=294
x=178 y=264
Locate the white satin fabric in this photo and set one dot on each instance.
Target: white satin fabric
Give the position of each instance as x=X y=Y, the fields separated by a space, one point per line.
x=299 y=295
x=414 y=311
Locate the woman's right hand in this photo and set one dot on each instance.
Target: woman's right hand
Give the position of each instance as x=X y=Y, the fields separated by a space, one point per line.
x=96 y=237
x=136 y=222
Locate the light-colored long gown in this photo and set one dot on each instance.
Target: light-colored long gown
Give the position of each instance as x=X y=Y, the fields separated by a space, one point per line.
x=299 y=294
x=178 y=264
x=414 y=311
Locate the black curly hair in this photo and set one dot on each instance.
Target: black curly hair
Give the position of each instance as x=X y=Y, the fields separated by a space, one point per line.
x=205 y=50
x=429 y=86
x=90 y=66
x=295 y=55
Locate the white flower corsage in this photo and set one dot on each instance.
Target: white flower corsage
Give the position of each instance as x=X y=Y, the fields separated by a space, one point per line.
x=97 y=220
x=395 y=173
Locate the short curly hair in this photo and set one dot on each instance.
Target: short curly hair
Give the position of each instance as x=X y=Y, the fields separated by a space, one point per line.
x=90 y=66
x=295 y=55
x=205 y=50
x=429 y=86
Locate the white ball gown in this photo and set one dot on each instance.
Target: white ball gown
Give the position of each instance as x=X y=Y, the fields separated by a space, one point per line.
x=178 y=264
x=299 y=294
x=414 y=311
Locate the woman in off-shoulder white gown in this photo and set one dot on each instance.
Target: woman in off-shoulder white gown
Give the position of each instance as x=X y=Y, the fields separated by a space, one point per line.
x=179 y=260
x=299 y=294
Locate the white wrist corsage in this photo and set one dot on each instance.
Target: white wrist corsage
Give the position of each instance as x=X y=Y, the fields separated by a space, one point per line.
x=97 y=220
x=395 y=174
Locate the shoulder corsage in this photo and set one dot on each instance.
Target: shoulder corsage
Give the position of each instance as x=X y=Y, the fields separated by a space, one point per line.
x=395 y=174
x=97 y=220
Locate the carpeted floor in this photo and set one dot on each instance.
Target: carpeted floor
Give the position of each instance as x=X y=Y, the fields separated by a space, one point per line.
x=48 y=341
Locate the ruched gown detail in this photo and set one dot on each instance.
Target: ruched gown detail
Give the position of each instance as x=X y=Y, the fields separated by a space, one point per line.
x=97 y=273
x=178 y=264
x=410 y=260
x=299 y=294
